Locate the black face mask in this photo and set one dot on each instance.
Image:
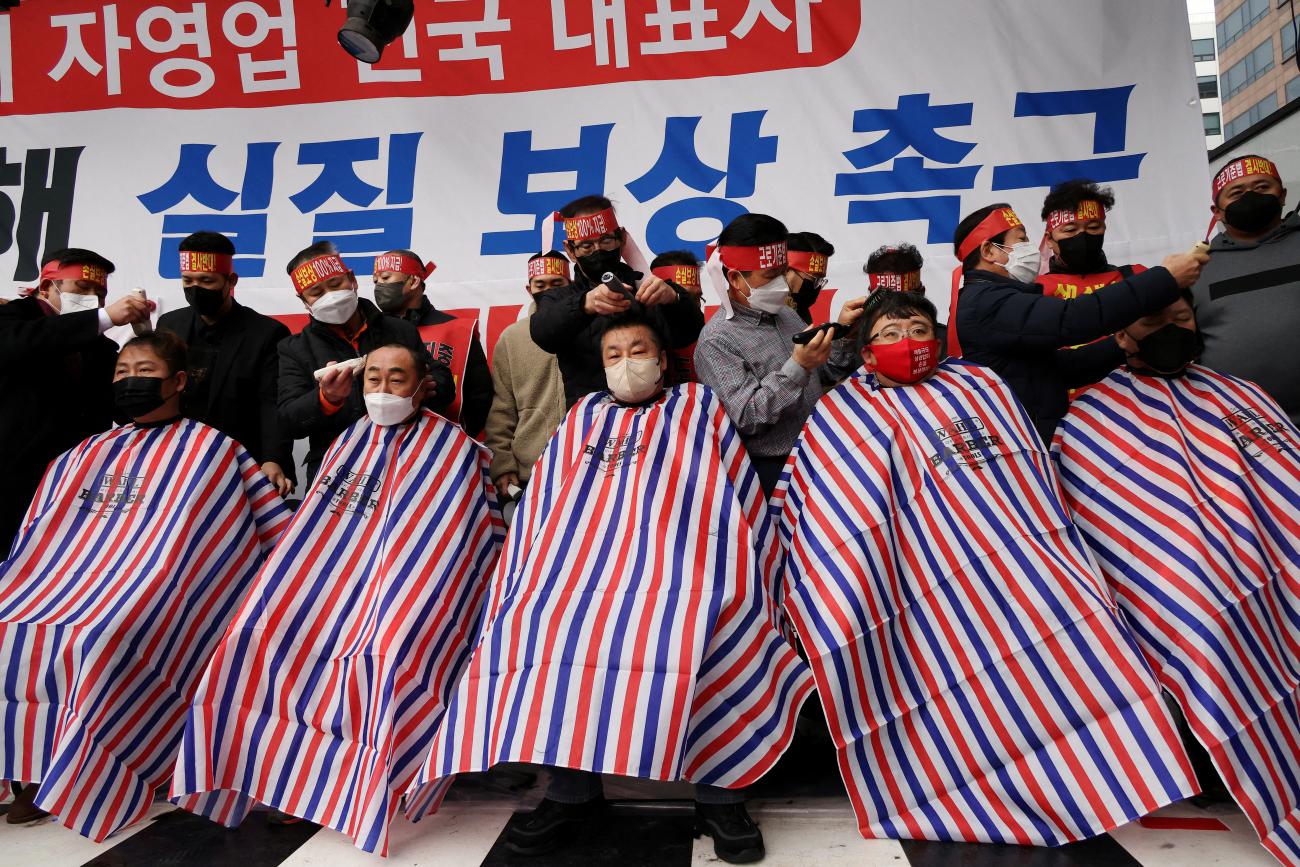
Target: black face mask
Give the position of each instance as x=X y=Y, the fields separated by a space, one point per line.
x=206 y=302
x=135 y=396
x=389 y=297
x=1253 y=212
x=598 y=262
x=1168 y=350
x=808 y=292
x=1083 y=254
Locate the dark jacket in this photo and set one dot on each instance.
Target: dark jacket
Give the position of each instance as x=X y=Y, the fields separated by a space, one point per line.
x=1017 y=331
x=563 y=328
x=240 y=390
x=56 y=375
x=476 y=391
x=301 y=412
x=1248 y=311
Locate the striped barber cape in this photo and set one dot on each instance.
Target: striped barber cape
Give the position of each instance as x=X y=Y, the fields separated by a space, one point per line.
x=1188 y=492
x=978 y=680
x=132 y=559
x=326 y=689
x=631 y=628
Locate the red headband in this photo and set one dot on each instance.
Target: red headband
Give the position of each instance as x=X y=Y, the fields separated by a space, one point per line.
x=548 y=266
x=1086 y=212
x=1001 y=220
x=198 y=262
x=590 y=227
x=56 y=270
x=403 y=264
x=896 y=281
x=685 y=276
x=321 y=268
x=807 y=261
x=1241 y=168
x=754 y=258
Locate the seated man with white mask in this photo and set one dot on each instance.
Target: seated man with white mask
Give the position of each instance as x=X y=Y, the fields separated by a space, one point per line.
x=343 y=327
x=630 y=628
x=324 y=694
x=768 y=383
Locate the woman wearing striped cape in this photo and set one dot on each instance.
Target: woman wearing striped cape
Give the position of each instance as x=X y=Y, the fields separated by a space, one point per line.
x=323 y=695
x=978 y=680
x=1187 y=489
x=630 y=628
x=132 y=559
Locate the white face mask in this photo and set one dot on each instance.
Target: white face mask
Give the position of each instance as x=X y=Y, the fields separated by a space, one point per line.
x=1023 y=260
x=387 y=409
x=70 y=302
x=771 y=296
x=633 y=380
x=336 y=307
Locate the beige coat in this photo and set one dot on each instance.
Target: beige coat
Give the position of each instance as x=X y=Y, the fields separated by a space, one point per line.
x=528 y=403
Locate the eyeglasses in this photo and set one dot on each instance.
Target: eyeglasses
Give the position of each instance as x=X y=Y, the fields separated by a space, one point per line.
x=894 y=333
x=605 y=242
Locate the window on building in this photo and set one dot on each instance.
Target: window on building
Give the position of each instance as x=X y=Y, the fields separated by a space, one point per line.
x=1247 y=70
x=1212 y=126
x=1293 y=89
x=1239 y=20
x=1251 y=116
x=1207 y=86
x=1288 y=42
x=1202 y=49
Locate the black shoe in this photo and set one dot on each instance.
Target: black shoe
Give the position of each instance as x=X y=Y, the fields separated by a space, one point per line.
x=23 y=810
x=736 y=839
x=550 y=825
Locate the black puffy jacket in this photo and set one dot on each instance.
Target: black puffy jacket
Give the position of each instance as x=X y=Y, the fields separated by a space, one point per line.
x=1016 y=330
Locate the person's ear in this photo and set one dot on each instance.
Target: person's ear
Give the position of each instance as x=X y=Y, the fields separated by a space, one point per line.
x=737 y=281
x=622 y=236
x=570 y=251
x=987 y=251
x=1126 y=343
x=182 y=378
x=1053 y=246
x=1217 y=212
x=231 y=281
x=43 y=289
x=869 y=357
x=1283 y=198
x=663 y=361
x=422 y=390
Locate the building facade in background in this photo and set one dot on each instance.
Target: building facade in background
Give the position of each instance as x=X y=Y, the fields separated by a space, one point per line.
x=1206 y=56
x=1257 y=60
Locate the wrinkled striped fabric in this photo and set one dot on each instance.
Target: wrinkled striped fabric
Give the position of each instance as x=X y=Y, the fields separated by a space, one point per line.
x=630 y=628
x=1188 y=492
x=131 y=561
x=329 y=684
x=979 y=682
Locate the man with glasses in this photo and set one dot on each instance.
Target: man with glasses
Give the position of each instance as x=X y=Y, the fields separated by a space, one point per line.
x=808 y=256
x=570 y=319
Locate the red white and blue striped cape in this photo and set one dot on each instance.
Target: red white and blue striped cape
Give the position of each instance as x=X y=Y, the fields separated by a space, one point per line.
x=132 y=559
x=630 y=628
x=329 y=684
x=1188 y=492
x=976 y=675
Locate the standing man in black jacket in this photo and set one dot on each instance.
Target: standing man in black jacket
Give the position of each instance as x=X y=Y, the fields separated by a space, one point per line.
x=56 y=372
x=233 y=360
x=1002 y=320
x=342 y=327
x=400 y=277
x=570 y=320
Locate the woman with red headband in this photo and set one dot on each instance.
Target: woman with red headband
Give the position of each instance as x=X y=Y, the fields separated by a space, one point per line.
x=1001 y=318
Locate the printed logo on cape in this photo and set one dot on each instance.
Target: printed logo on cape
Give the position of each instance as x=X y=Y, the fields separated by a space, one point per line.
x=966 y=442
x=351 y=492
x=111 y=494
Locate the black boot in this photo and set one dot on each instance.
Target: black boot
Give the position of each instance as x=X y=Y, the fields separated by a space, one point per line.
x=22 y=810
x=736 y=839
x=550 y=825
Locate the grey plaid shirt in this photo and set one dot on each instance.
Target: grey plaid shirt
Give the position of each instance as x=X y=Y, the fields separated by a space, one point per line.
x=746 y=360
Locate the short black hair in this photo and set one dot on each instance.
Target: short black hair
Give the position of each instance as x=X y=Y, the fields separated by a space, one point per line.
x=315 y=251
x=633 y=319
x=78 y=256
x=208 y=242
x=421 y=365
x=753 y=230
x=809 y=242
x=585 y=203
x=966 y=226
x=894 y=259
x=895 y=305
x=549 y=254
x=675 y=257
x=164 y=344
x=1067 y=195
